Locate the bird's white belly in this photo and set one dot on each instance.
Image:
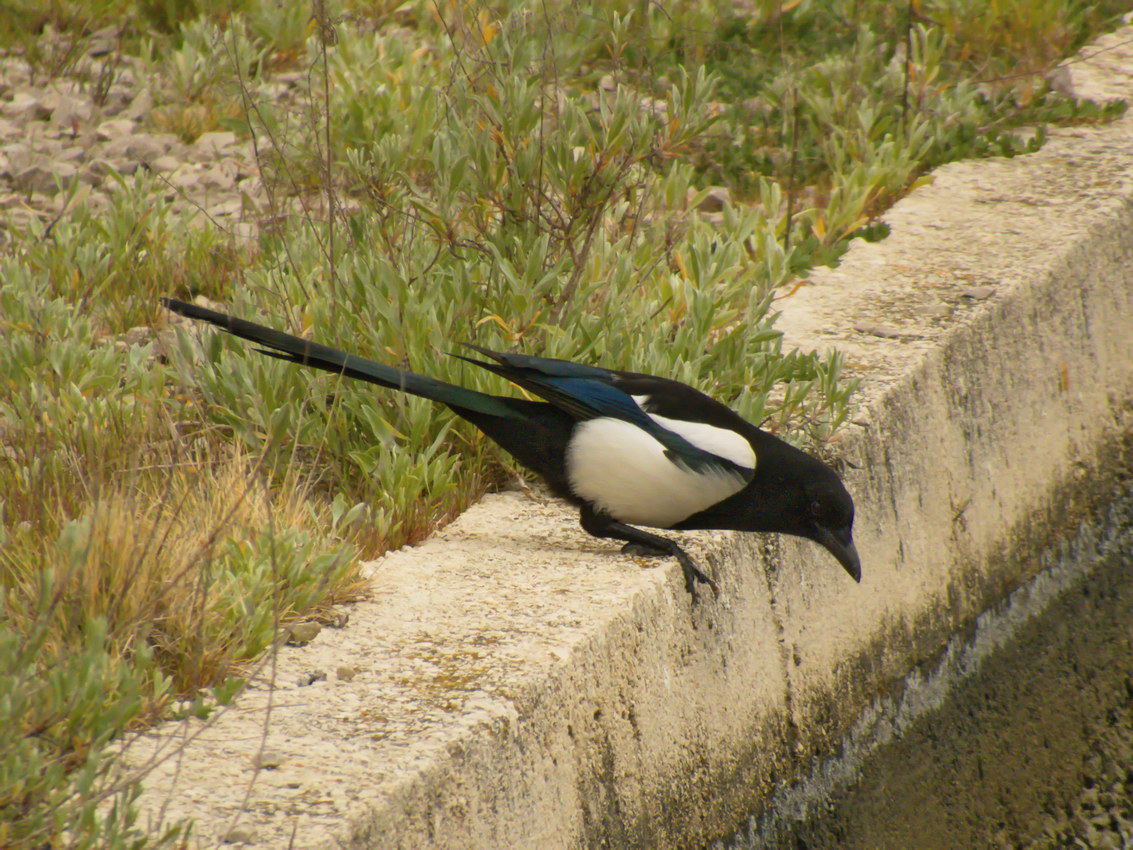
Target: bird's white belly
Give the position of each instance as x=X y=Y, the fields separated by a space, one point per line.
x=624 y=471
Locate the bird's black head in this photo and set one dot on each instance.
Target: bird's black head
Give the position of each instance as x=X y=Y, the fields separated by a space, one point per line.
x=790 y=493
x=828 y=518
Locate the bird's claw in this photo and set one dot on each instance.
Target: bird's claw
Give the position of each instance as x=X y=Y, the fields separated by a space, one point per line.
x=693 y=575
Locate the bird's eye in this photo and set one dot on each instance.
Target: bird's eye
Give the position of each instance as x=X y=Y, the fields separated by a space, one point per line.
x=815 y=507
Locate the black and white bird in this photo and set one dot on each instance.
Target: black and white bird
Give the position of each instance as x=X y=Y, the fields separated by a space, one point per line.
x=628 y=449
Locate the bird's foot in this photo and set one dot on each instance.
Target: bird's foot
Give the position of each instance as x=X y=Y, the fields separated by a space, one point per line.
x=692 y=573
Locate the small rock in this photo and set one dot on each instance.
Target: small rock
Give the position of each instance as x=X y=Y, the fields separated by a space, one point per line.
x=139 y=335
x=165 y=342
x=883 y=331
x=46 y=203
x=184 y=178
x=49 y=99
x=21 y=218
x=267 y=759
x=164 y=163
x=216 y=140
x=70 y=88
x=86 y=139
x=217 y=178
x=291 y=78
x=246 y=170
x=303 y=633
x=239 y=835
x=101 y=46
x=312 y=677
x=1060 y=79
x=16 y=157
x=100 y=167
x=756 y=104
x=225 y=208
x=140 y=146
x=115 y=102
x=934 y=311
x=91 y=177
x=27 y=107
x=978 y=293
x=346 y=674
x=115 y=129
x=170 y=143
x=658 y=109
x=274 y=91
x=251 y=186
x=245 y=231
x=140 y=106
x=68 y=111
x=126 y=77
x=40 y=178
x=1089 y=798
x=71 y=153
x=716 y=198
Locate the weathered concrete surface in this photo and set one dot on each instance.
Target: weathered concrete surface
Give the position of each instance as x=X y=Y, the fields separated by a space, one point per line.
x=1019 y=734
x=520 y=685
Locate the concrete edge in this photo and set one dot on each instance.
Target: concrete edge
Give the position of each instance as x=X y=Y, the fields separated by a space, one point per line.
x=929 y=703
x=520 y=686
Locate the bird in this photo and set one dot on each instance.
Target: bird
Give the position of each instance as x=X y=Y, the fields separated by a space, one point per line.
x=627 y=449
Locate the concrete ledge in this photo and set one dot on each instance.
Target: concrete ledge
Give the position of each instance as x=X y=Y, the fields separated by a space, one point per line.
x=520 y=684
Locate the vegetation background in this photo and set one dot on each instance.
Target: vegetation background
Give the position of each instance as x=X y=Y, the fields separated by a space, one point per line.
x=630 y=183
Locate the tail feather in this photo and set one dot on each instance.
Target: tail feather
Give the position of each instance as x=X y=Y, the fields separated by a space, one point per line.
x=294 y=349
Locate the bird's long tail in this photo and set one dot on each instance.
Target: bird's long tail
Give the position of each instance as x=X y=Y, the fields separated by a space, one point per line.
x=304 y=352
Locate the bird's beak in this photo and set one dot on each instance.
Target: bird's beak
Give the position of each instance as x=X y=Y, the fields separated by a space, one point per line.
x=841 y=545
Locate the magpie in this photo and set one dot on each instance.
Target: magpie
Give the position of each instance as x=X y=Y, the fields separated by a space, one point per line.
x=627 y=449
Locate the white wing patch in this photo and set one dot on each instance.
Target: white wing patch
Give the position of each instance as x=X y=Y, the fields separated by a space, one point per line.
x=624 y=471
x=719 y=441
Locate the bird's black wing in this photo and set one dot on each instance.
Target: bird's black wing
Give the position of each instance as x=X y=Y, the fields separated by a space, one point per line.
x=590 y=392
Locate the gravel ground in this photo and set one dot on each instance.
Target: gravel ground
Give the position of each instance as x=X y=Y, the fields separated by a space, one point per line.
x=1102 y=814
x=62 y=137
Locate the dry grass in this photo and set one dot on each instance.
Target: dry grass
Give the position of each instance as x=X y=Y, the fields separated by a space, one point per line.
x=168 y=554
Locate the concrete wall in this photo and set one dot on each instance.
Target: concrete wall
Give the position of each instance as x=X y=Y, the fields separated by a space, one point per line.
x=519 y=684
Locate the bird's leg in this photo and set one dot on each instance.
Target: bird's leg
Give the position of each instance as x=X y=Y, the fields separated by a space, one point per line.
x=653 y=545
x=603 y=525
